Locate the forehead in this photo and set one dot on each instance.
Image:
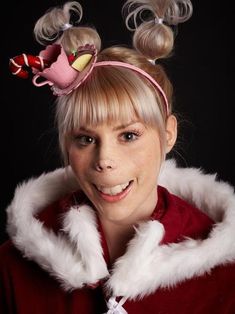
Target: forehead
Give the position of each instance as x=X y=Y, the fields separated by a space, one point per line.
x=111 y=103
x=115 y=125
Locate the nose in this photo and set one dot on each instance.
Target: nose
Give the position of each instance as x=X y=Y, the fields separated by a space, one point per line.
x=105 y=165
x=106 y=159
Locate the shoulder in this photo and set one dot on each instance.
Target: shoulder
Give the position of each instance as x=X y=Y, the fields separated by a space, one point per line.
x=6 y=250
x=222 y=278
x=181 y=219
x=9 y=256
x=52 y=215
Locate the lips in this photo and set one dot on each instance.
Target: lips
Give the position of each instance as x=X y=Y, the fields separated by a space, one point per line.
x=113 y=190
x=114 y=193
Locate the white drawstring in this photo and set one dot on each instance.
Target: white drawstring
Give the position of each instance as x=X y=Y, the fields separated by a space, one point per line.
x=115 y=307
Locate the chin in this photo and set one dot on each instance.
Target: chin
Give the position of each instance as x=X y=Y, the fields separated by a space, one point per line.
x=115 y=215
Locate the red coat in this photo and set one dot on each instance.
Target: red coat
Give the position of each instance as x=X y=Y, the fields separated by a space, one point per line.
x=142 y=274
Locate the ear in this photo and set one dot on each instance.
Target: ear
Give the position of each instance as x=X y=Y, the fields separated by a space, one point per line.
x=171 y=132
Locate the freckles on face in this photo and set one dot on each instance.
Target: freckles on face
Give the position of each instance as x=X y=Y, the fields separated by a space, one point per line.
x=149 y=161
x=80 y=163
x=117 y=167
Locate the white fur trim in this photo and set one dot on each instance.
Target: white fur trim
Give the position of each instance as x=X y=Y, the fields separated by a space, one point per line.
x=139 y=271
x=80 y=224
x=198 y=188
x=54 y=253
x=166 y=265
x=135 y=266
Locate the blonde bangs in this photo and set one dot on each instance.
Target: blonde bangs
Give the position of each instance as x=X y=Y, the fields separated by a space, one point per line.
x=104 y=98
x=109 y=94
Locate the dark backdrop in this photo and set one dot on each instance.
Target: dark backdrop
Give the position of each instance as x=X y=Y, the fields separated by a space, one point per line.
x=200 y=69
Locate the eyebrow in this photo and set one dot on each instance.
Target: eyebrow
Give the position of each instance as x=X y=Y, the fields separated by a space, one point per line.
x=117 y=128
x=123 y=126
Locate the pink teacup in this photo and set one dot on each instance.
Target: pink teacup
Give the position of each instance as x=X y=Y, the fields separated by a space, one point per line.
x=59 y=73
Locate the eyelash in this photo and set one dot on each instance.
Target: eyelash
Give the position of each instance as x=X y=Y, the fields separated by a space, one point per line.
x=83 y=139
x=136 y=134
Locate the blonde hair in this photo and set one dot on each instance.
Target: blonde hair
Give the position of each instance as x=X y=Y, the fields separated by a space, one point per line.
x=111 y=93
x=50 y=28
x=153 y=35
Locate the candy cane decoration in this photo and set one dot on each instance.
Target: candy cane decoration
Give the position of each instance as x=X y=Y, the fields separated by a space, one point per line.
x=17 y=64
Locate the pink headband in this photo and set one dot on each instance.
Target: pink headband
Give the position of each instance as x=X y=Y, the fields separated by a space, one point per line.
x=64 y=74
x=138 y=70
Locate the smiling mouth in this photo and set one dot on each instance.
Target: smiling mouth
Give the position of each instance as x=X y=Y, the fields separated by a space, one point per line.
x=115 y=193
x=113 y=190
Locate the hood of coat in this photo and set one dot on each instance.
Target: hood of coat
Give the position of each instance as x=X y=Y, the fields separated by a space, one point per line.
x=75 y=256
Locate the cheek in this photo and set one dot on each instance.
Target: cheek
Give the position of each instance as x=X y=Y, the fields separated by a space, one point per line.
x=77 y=161
x=149 y=153
x=148 y=161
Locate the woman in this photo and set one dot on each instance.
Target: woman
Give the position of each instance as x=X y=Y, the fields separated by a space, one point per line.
x=119 y=229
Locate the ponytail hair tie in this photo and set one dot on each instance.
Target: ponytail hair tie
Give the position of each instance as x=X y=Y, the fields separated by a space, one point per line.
x=66 y=26
x=158 y=20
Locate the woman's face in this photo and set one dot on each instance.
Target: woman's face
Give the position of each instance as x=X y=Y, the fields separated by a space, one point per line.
x=117 y=167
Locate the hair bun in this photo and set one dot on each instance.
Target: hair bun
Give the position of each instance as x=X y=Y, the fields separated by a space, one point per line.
x=151 y=21
x=56 y=20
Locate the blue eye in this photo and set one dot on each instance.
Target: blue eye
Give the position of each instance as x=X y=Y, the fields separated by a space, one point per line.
x=84 y=140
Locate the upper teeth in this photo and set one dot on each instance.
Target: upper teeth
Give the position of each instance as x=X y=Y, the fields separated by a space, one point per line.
x=114 y=189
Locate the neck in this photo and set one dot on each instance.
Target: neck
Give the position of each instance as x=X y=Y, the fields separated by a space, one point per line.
x=119 y=232
x=117 y=236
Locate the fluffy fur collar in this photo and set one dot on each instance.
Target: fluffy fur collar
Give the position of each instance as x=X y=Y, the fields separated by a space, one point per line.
x=77 y=258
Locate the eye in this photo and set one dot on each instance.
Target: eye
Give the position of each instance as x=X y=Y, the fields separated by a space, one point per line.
x=84 y=140
x=130 y=136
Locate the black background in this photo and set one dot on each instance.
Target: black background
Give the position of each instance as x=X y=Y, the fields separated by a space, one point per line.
x=201 y=70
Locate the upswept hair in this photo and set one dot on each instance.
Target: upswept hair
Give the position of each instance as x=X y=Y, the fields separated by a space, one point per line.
x=113 y=93
x=152 y=38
